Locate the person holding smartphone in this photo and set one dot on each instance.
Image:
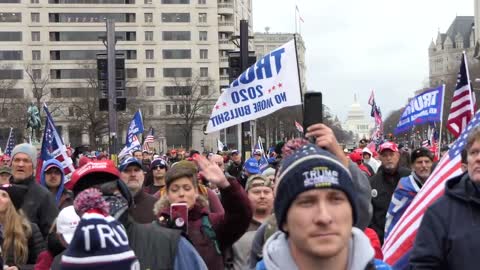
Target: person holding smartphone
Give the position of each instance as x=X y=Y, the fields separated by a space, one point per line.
x=210 y=233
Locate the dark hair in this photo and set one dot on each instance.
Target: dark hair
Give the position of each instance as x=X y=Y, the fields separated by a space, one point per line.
x=177 y=172
x=420 y=152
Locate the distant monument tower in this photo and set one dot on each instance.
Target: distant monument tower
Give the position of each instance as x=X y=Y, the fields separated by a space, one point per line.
x=357 y=121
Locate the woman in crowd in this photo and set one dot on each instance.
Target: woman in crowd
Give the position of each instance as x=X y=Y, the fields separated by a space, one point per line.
x=22 y=239
x=210 y=233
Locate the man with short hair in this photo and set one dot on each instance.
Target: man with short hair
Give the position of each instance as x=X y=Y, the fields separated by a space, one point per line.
x=156 y=176
x=235 y=165
x=316 y=210
x=131 y=173
x=39 y=204
x=53 y=178
x=384 y=183
x=5 y=174
x=260 y=193
x=137 y=154
x=448 y=234
x=421 y=161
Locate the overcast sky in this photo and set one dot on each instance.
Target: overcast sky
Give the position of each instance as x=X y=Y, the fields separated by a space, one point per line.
x=354 y=46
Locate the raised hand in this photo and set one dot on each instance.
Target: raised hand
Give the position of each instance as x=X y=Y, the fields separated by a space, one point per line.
x=211 y=171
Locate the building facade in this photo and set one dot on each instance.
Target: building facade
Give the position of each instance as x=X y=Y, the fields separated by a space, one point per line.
x=171 y=47
x=446 y=51
x=357 y=121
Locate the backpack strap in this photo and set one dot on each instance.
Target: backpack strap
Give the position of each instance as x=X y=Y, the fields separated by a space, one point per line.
x=210 y=233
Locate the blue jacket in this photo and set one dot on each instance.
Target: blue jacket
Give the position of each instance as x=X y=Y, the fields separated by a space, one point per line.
x=448 y=237
x=49 y=162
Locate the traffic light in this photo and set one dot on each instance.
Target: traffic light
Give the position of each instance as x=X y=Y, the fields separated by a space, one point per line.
x=235 y=66
x=102 y=76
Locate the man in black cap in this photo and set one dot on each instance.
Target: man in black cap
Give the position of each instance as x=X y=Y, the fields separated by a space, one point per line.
x=131 y=173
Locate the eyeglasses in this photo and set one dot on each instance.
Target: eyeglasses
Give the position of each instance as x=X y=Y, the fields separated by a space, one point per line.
x=158 y=167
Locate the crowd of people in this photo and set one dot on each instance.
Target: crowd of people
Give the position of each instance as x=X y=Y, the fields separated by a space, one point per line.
x=315 y=206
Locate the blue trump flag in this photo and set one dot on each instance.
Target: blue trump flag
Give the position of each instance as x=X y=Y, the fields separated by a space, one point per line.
x=423 y=108
x=135 y=127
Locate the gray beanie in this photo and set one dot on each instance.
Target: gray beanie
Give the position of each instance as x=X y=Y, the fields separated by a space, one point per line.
x=27 y=149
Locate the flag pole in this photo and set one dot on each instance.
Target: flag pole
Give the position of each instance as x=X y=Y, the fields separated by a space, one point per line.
x=469 y=84
x=296 y=28
x=441 y=122
x=298 y=70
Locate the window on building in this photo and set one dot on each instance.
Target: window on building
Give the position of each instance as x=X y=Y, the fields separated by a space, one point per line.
x=9 y=17
x=131 y=73
x=204 y=72
x=35 y=36
x=6 y=74
x=150 y=110
x=131 y=54
x=148 y=35
x=74 y=54
x=89 y=17
x=130 y=36
x=204 y=90
x=150 y=91
x=34 y=1
x=149 y=54
x=36 y=55
x=203 y=53
x=175 y=1
x=11 y=36
x=202 y=17
x=59 y=74
x=150 y=72
x=176 y=35
x=177 y=72
x=132 y=91
x=11 y=55
x=148 y=17
x=35 y=17
x=176 y=17
x=202 y=2
x=148 y=2
x=168 y=109
x=202 y=35
x=169 y=91
x=177 y=54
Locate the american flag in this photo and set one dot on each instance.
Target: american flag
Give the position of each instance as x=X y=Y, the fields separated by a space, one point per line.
x=377 y=115
x=462 y=107
x=298 y=127
x=10 y=143
x=149 y=138
x=53 y=147
x=398 y=245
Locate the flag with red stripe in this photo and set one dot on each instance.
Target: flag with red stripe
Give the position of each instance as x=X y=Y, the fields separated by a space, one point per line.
x=298 y=127
x=462 y=107
x=398 y=245
x=53 y=147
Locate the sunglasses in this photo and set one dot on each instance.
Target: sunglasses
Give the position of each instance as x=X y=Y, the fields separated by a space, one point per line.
x=158 y=167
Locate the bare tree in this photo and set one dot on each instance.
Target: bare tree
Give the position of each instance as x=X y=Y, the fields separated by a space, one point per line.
x=191 y=98
x=39 y=77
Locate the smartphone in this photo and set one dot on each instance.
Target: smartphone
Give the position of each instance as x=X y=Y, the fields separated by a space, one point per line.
x=312 y=109
x=179 y=216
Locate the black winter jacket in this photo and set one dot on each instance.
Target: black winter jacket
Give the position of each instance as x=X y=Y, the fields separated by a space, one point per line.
x=36 y=244
x=383 y=186
x=449 y=235
x=39 y=205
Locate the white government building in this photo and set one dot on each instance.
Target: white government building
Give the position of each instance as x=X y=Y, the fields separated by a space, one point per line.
x=357 y=121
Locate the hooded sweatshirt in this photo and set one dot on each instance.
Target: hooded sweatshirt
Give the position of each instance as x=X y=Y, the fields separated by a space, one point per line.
x=277 y=253
x=60 y=202
x=372 y=162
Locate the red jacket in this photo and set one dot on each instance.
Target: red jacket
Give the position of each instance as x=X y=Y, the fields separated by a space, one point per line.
x=375 y=241
x=228 y=226
x=44 y=261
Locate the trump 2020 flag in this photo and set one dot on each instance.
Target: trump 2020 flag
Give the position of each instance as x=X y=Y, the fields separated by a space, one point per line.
x=423 y=108
x=53 y=147
x=399 y=243
x=135 y=127
x=270 y=84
